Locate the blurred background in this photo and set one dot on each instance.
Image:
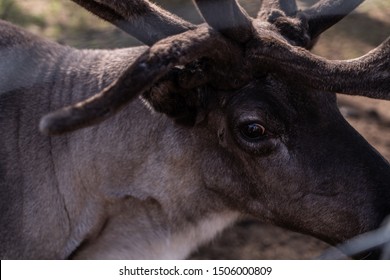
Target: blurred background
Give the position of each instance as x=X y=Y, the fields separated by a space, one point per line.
x=67 y=23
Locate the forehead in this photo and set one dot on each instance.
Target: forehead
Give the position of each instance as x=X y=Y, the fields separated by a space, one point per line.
x=274 y=94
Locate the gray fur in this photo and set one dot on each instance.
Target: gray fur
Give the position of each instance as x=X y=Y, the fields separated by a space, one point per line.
x=43 y=175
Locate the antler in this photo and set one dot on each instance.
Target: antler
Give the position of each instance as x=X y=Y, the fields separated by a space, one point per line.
x=289 y=7
x=302 y=28
x=367 y=76
x=326 y=13
x=291 y=24
x=227 y=17
x=140 y=18
x=139 y=77
x=152 y=65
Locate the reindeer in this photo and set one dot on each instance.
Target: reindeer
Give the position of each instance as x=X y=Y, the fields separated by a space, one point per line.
x=168 y=144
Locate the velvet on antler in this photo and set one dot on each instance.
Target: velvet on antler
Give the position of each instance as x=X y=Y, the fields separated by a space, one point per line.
x=289 y=7
x=327 y=13
x=234 y=49
x=368 y=75
x=139 y=18
x=139 y=77
x=227 y=17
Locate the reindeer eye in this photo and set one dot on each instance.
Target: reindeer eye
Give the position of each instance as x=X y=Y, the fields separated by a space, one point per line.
x=252 y=131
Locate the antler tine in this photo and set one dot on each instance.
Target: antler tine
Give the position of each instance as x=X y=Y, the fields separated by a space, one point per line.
x=284 y=15
x=139 y=77
x=140 y=18
x=326 y=13
x=227 y=17
x=368 y=75
x=289 y=7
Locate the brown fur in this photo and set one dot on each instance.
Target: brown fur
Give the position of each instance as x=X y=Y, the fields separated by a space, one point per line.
x=138 y=185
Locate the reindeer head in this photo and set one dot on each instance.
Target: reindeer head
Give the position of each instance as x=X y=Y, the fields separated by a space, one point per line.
x=270 y=138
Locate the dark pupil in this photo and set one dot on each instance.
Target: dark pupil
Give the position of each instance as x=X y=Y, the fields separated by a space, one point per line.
x=253 y=131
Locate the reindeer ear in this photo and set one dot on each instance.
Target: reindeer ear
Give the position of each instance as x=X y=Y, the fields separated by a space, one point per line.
x=181 y=93
x=186 y=106
x=141 y=75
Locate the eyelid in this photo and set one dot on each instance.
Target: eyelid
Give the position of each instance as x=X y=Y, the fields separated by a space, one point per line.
x=251 y=119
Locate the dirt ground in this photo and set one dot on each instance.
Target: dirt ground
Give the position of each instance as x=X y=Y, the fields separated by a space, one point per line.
x=354 y=36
